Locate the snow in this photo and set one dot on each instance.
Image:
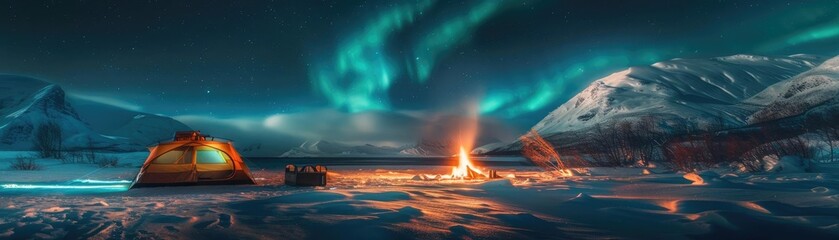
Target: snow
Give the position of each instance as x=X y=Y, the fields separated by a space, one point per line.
x=816 y=88
x=383 y=202
x=55 y=171
x=694 y=178
x=786 y=164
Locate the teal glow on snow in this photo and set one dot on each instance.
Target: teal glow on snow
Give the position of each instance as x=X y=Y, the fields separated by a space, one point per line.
x=100 y=181
x=77 y=184
x=65 y=186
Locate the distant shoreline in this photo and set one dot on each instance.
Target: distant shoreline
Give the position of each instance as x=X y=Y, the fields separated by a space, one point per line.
x=280 y=162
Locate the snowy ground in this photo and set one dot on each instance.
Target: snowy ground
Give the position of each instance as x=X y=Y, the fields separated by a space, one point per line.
x=370 y=202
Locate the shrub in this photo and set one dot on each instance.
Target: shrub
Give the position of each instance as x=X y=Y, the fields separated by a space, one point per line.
x=107 y=161
x=73 y=157
x=48 y=140
x=89 y=156
x=752 y=160
x=83 y=156
x=825 y=126
x=25 y=163
x=687 y=156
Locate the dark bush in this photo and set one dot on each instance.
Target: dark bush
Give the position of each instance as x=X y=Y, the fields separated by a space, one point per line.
x=73 y=157
x=25 y=163
x=107 y=161
x=48 y=140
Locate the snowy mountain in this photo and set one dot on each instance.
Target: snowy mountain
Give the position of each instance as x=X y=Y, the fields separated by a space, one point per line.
x=488 y=147
x=140 y=128
x=429 y=147
x=321 y=148
x=26 y=103
x=816 y=88
x=424 y=148
x=695 y=90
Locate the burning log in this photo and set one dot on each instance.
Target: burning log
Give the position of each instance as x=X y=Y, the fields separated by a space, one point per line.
x=493 y=174
x=465 y=170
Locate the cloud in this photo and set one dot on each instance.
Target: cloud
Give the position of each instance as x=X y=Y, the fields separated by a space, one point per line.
x=277 y=133
x=246 y=132
x=374 y=127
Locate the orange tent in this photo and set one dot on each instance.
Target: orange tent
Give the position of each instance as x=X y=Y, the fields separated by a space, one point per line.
x=192 y=159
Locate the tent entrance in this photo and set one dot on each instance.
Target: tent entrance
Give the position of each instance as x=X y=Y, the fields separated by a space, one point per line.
x=173 y=166
x=212 y=164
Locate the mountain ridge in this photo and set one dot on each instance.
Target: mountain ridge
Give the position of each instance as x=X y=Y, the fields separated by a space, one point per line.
x=697 y=91
x=26 y=103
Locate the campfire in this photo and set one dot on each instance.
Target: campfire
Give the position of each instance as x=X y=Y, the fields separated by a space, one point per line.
x=459 y=131
x=465 y=169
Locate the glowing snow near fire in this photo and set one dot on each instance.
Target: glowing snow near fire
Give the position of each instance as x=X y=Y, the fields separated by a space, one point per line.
x=465 y=170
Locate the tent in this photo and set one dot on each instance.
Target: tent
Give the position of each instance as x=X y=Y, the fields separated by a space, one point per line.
x=192 y=159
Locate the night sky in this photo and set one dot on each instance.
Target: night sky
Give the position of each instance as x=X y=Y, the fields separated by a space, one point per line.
x=271 y=63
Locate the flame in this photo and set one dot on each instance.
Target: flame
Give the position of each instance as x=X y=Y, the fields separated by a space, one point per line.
x=465 y=169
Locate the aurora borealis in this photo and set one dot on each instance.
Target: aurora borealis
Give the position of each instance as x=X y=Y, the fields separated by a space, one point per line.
x=366 y=86
x=251 y=65
x=362 y=72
